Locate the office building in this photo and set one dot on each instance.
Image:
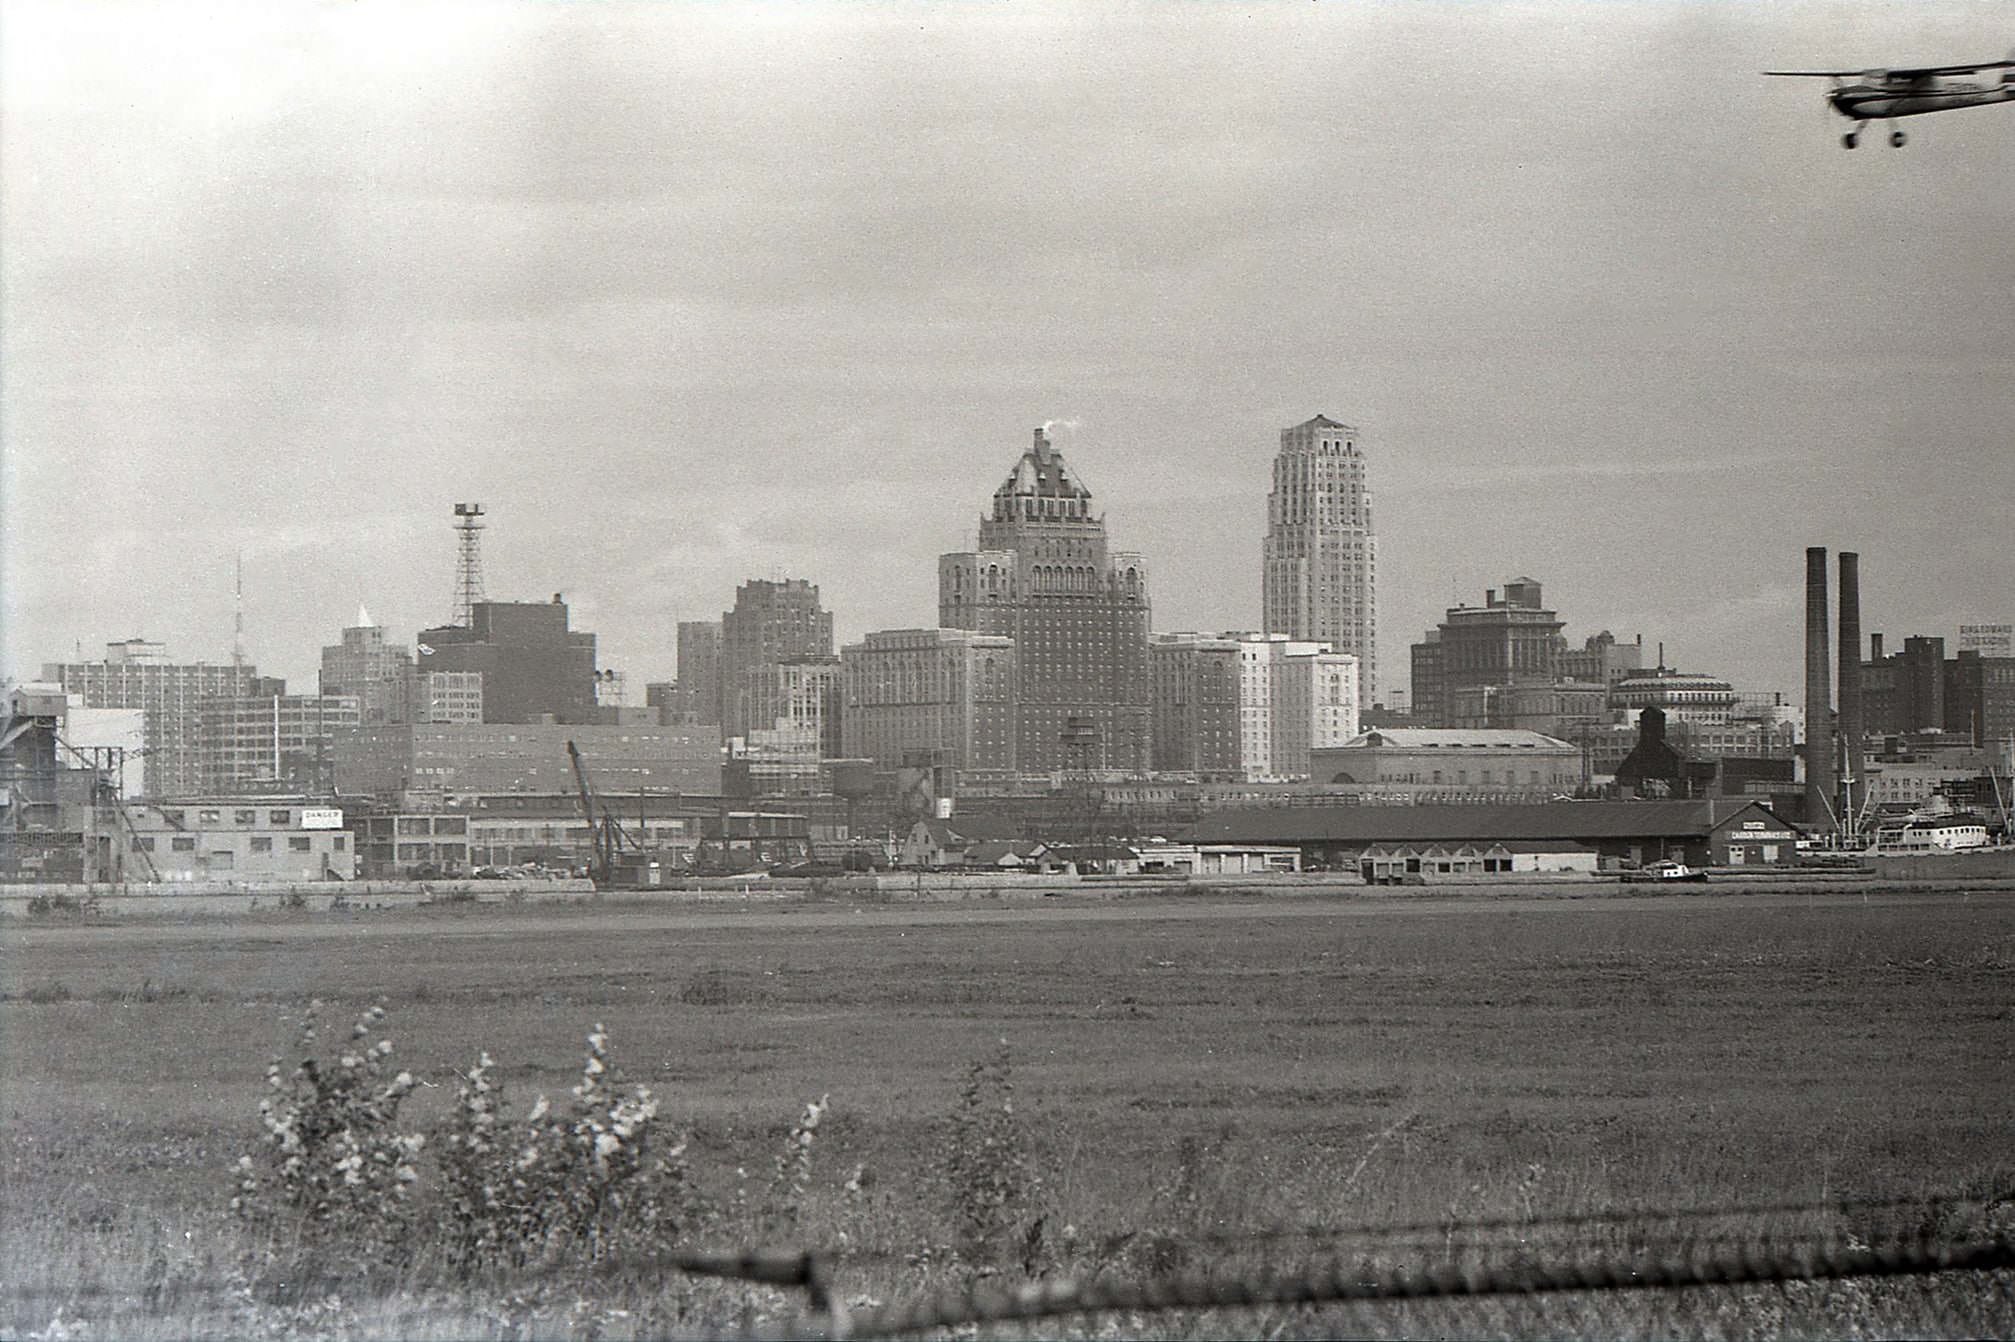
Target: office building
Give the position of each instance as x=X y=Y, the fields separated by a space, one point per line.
x=137 y=674
x=378 y=674
x=772 y=622
x=698 y=693
x=1508 y=640
x=1077 y=612
x=946 y=694
x=271 y=743
x=533 y=667
x=1320 y=557
x=1196 y=682
x=444 y=760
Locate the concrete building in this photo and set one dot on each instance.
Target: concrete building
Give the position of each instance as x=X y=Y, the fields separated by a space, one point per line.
x=1415 y=760
x=1601 y=660
x=772 y=623
x=947 y=692
x=1507 y=641
x=534 y=668
x=1294 y=696
x=1078 y=615
x=792 y=707
x=1197 y=689
x=239 y=839
x=1682 y=696
x=1319 y=563
x=138 y=674
x=447 y=696
x=274 y=743
x=699 y=683
x=1562 y=708
x=431 y=761
x=377 y=674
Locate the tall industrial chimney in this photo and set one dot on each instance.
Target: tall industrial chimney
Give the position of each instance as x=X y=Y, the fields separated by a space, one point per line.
x=1853 y=787
x=1820 y=784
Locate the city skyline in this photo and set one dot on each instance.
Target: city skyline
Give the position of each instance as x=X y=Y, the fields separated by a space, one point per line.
x=679 y=295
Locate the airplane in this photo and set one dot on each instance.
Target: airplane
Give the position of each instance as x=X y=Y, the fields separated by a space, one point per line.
x=1881 y=94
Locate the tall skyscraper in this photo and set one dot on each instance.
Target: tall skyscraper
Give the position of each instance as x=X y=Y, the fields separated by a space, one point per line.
x=1320 y=562
x=1078 y=615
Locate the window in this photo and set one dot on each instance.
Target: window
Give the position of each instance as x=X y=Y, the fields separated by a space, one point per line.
x=209 y=817
x=336 y=843
x=279 y=817
x=297 y=843
x=220 y=861
x=142 y=845
x=172 y=817
x=244 y=817
x=262 y=843
x=183 y=843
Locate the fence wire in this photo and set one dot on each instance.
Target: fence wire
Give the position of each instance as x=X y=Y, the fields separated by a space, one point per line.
x=1338 y=1282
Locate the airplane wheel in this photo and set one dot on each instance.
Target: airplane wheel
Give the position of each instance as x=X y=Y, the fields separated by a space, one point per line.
x=1896 y=138
x=1850 y=140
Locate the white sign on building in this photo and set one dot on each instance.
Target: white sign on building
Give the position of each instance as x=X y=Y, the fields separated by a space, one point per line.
x=1989 y=640
x=321 y=817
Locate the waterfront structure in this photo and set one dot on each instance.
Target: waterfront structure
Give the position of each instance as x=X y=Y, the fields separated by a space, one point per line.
x=1708 y=831
x=1197 y=689
x=433 y=760
x=378 y=674
x=534 y=668
x=772 y=622
x=948 y=694
x=280 y=742
x=137 y=674
x=1319 y=563
x=1077 y=612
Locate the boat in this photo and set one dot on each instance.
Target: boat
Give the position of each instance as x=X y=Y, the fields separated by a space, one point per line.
x=1662 y=872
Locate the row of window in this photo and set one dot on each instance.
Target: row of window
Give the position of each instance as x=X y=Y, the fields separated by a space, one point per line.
x=261 y=843
x=243 y=816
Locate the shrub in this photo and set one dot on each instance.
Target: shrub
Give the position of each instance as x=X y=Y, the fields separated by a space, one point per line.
x=585 y=1182
x=333 y=1157
x=985 y=1167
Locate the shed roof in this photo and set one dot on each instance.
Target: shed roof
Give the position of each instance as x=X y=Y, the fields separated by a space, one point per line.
x=1578 y=820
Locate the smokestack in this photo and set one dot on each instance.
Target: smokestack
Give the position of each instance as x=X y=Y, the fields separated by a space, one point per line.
x=1819 y=780
x=1853 y=786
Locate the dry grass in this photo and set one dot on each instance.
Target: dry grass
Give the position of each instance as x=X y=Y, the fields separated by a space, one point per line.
x=1188 y=1075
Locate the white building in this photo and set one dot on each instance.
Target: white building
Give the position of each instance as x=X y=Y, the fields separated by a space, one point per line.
x=1294 y=696
x=1320 y=559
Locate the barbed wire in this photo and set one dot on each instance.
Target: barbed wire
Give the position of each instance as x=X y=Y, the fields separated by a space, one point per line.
x=1336 y=1283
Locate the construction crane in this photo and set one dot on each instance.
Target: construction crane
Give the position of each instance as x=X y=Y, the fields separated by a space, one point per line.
x=602 y=830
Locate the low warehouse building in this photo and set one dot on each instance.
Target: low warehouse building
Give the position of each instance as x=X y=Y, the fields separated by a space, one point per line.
x=1551 y=837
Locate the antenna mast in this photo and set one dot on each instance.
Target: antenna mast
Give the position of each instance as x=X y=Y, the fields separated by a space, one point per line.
x=469 y=563
x=238 y=625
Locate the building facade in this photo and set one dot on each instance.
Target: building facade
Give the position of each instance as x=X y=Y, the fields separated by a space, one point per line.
x=237 y=839
x=138 y=674
x=1319 y=562
x=1294 y=696
x=772 y=622
x=1077 y=612
x=948 y=692
x=793 y=706
x=282 y=742
x=437 y=760
x=534 y=667
x=698 y=695
x=378 y=674
x=1197 y=696
x=1479 y=760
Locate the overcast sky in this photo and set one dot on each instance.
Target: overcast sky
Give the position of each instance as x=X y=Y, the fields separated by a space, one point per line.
x=686 y=294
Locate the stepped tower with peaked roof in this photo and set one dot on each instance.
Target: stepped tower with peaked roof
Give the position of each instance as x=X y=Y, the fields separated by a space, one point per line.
x=1078 y=614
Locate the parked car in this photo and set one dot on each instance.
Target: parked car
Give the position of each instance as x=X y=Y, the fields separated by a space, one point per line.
x=1669 y=870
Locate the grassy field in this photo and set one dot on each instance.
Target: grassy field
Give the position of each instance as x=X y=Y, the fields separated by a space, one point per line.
x=1197 y=1082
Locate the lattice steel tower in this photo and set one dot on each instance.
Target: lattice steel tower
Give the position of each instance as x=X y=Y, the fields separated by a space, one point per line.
x=469 y=563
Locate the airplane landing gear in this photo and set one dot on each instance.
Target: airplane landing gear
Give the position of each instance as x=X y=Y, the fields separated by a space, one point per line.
x=1897 y=137
x=1851 y=139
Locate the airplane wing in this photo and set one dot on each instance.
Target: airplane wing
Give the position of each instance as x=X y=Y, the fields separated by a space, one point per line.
x=1953 y=69
x=1815 y=74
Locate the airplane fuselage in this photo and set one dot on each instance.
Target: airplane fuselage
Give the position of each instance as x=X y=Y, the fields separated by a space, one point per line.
x=1871 y=102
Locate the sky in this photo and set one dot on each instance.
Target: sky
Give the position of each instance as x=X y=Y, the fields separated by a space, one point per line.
x=686 y=294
